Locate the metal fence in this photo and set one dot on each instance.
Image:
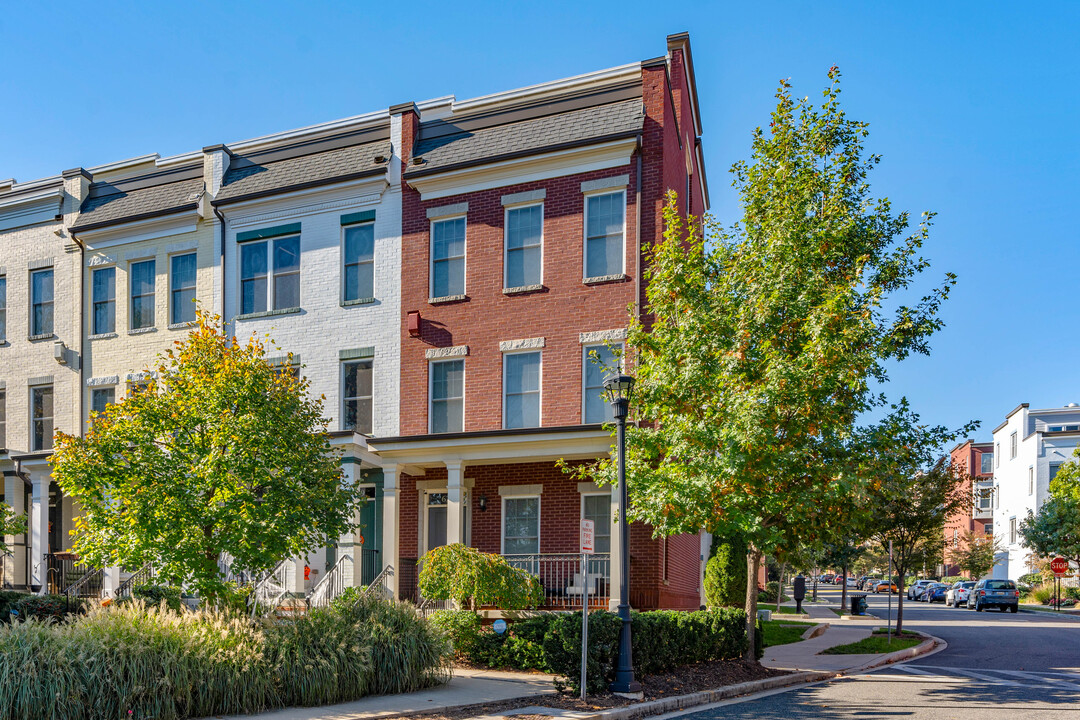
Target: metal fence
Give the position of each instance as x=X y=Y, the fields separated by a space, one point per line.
x=564 y=579
x=64 y=570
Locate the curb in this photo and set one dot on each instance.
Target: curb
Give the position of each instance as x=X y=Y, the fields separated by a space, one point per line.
x=930 y=644
x=815 y=631
x=705 y=697
x=1051 y=613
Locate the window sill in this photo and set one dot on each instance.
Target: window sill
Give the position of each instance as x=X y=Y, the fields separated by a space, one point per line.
x=102 y=336
x=522 y=290
x=182 y=326
x=601 y=279
x=43 y=336
x=447 y=299
x=358 y=301
x=4 y=342
x=268 y=313
x=142 y=331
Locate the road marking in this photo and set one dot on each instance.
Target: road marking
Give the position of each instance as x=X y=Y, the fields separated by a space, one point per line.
x=986 y=678
x=905 y=668
x=1044 y=678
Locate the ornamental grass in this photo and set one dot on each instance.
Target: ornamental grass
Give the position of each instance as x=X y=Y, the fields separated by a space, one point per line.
x=136 y=662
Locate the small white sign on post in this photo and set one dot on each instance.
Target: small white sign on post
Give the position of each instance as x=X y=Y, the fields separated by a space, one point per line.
x=588 y=537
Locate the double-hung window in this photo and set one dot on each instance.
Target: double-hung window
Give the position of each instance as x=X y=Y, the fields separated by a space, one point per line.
x=521 y=390
x=182 y=288
x=997 y=454
x=270 y=274
x=1031 y=481
x=41 y=417
x=521 y=525
x=357 y=396
x=448 y=257
x=41 y=302
x=598 y=509
x=104 y=291
x=1012 y=531
x=605 y=228
x=3 y=310
x=524 y=240
x=986 y=461
x=598 y=362
x=1012 y=446
x=142 y=294
x=447 y=396
x=359 y=262
x=101 y=398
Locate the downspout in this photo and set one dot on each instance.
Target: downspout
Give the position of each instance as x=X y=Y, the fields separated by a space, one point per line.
x=637 y=238
x=79 y=399
x=221 y=219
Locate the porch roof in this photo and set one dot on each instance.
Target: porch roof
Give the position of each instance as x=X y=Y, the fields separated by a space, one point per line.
x=493 y=447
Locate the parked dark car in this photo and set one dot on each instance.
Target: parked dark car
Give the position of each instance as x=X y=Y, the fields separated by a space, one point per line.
x=922 y=593
x=936 y=593
x=991 y=592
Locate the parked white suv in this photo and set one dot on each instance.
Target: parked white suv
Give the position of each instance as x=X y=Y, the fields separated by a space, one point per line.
x=958 y=593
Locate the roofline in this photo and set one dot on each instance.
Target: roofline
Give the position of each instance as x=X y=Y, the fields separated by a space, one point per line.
x=681 y=41
x=135 y=218
x=591 y=427
x=121 y=164
x=704 y=176
x=1055 y=410
x=489 y=159
x=1016 y=409
x=299 y=186
x=11 y=185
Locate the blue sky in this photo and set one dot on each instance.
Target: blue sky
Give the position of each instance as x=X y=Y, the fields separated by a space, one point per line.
x=973 y=106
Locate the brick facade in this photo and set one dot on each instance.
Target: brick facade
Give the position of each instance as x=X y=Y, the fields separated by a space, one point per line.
x=968 y=456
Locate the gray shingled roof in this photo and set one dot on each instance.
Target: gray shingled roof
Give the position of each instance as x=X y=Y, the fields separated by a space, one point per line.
x=568 y=128
x=318 y=167
x=138 y=203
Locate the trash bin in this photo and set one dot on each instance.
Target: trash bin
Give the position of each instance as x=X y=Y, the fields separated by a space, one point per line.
x=858 y=604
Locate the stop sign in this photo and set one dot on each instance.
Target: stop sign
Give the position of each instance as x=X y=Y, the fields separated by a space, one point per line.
x=1059 y=566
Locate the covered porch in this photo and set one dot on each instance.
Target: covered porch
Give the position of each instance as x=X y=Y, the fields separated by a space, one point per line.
x=502 y=492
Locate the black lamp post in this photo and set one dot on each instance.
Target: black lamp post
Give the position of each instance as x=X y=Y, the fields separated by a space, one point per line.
x=618 y=388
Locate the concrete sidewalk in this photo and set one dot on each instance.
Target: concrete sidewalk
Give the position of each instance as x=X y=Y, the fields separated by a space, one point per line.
x=467 y=687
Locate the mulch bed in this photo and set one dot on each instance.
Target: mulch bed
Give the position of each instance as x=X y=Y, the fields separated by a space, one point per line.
x=686 y=679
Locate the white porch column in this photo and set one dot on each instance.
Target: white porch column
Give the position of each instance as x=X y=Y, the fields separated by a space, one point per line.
x=67 y=514
x=390 y=548
x=455 y=507
x=295 y=583
x=350 y=571
x=615 y=586
x=15 y=566
x=110 y=581
x=39 y=531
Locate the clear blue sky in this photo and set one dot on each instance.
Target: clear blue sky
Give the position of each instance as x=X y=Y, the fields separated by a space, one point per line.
x=974 y=107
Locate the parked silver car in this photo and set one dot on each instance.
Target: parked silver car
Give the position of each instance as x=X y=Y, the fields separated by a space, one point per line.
x=958 y=593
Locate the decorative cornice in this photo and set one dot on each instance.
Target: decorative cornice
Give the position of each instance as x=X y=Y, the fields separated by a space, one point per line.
x=618 y=181
x=525 y=344
x=103 y=380
x=599 y=336
x=447 y=210
x=524 y=197
x=329 y=205
x=447 y=352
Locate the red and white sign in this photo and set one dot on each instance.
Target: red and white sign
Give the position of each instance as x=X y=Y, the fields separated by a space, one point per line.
x=1060 y=566
x=588 y=537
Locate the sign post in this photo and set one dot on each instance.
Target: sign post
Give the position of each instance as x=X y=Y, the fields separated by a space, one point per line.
x=1059 y=566
x=888 y=591
x=588 y=532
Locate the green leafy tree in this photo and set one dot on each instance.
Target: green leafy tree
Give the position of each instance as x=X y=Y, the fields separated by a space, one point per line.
x=914 y=491
x=842 y=552
x=11 y=523
x=473 y=578
x=761 y=342
x=220 y=452
x=975 y=555
x=1055 y=529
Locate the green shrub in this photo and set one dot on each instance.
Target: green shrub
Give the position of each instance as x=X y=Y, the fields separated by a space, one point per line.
x=49 y=608
x=462 y=627
x=726 y=573
x=138 y=661
x=1042 y=594
x=562 y=650
x=8 y=599
x=950 y=579
x=475 y=579
x=768 y=595
x=1030 y=579
x=157 y=594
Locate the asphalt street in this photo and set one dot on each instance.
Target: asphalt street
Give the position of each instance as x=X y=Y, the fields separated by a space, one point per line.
x=997 y=665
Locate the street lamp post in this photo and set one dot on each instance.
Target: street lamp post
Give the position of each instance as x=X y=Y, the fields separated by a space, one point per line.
x=618 y=388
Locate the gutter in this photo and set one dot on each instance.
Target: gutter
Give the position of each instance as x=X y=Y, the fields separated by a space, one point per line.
x=135 y=218
x=300 y=186
x=79 y=399
x=221 y=219
x=637 y=239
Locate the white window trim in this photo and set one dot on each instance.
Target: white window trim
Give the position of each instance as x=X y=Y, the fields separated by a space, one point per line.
x=427 y=507
x=341 y=255
x=131 y=292
x=271 y=278
x=1031 y=480
x=1013 y=446
x=506 y=241
x=997 y=455
x=585 y=231
x=344 y=399
x=431 y=253
x=93 y=316
x=585 y=361
x=30 y=412
x=431 y=393
x=502 y=519
x=539 y=392
x=169 y=273
x=32 y=303
x=581 y=516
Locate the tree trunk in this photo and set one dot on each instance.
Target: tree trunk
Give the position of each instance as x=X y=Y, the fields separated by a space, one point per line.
x=753 y=563
x=780 y=588
x=843 y=591
x=900 y=605
x=817 y=572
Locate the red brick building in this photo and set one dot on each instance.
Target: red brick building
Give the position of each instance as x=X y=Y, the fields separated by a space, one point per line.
x=525 y=216
x=977 y=460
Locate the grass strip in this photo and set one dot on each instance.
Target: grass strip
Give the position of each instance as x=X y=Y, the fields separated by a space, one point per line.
x=782 y=632
x=874 y=645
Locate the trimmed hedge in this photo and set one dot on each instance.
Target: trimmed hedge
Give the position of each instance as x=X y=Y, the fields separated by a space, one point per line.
x=663 y=640
x=726 y=573
x=48 y=608
x=8 y=599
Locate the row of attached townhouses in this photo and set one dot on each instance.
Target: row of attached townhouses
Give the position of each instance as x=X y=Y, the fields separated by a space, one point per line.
x=441 y=271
